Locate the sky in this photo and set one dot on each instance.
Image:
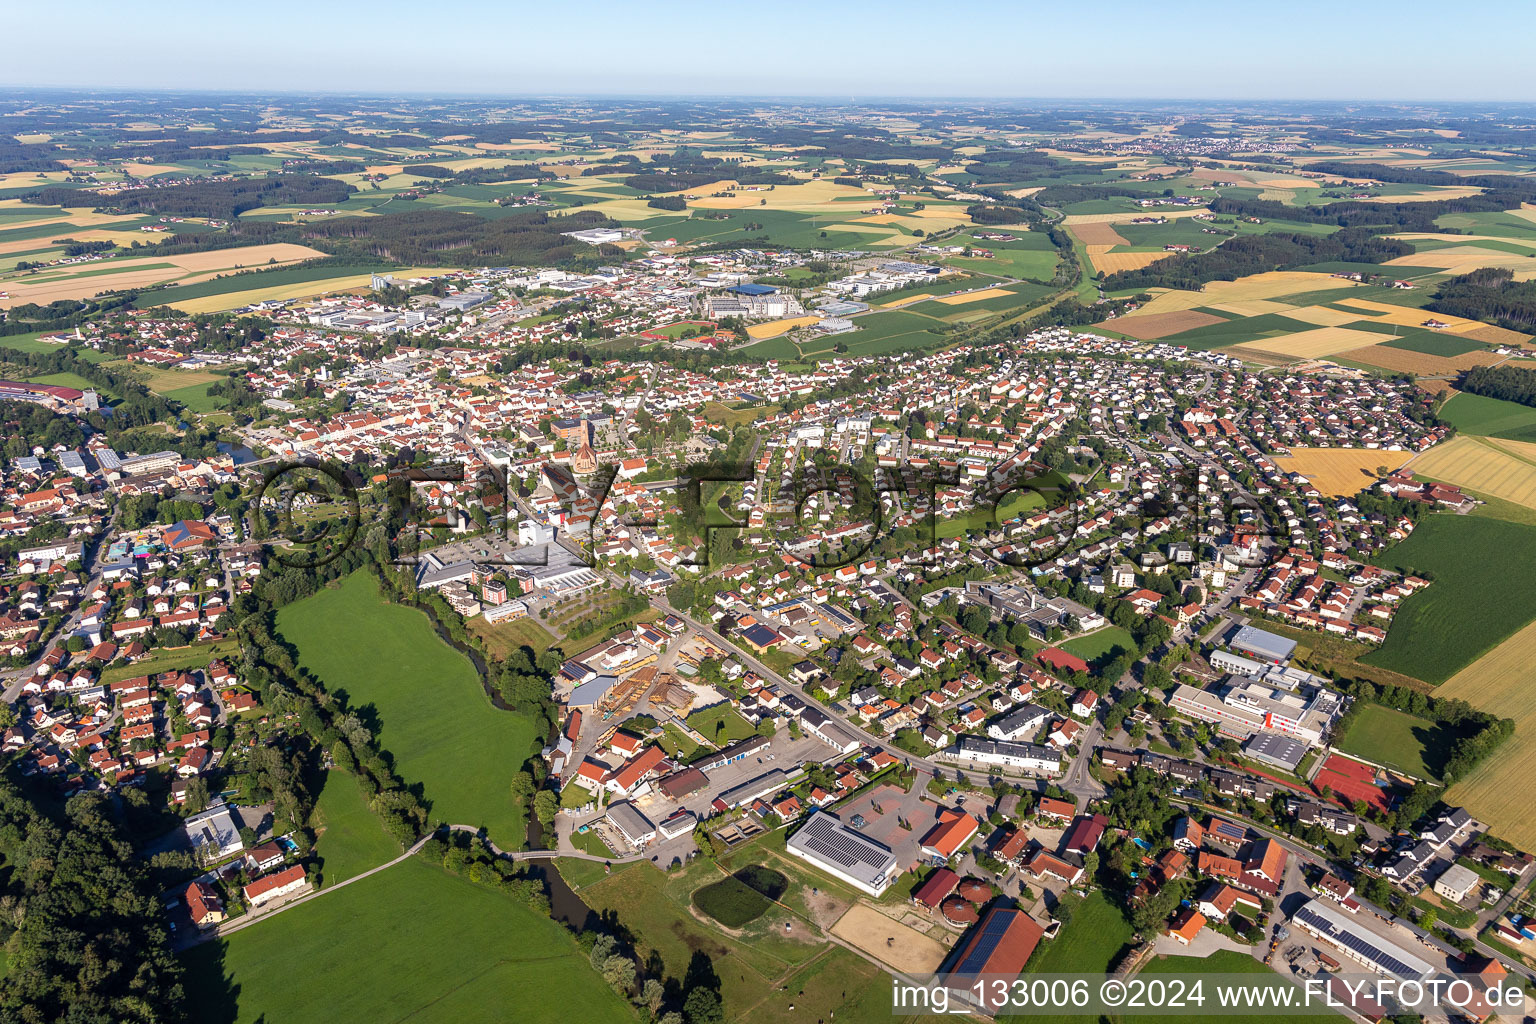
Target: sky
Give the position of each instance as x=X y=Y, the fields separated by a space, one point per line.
x=1301 y=49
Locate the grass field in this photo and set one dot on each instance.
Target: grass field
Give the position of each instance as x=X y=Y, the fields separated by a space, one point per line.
x=1474 y=603
x=426 y=700
x=1336 y=471
x=1502 y=681
x=1089 y=943
x=1223 y=961
x=504 y=637
x=1095 y=645
x=410 y=943
x=351 y=839
x=1493 y=466
x=1492 y=417
x=195 y=656
x=709 y=721
x=1409 y=744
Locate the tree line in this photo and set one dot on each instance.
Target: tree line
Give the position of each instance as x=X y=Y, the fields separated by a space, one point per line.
x=223 y=200
x=1490 y=294
x=1509 y=383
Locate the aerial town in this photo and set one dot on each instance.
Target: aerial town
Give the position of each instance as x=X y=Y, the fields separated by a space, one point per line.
x=678 y=609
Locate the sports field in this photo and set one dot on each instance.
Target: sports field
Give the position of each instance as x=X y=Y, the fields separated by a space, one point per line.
x=1503 y=468
x=1400 y=741
x=1474 y=603
x=1336 y=471
x=1503 y=681
x=412 y=943
x=431 y=712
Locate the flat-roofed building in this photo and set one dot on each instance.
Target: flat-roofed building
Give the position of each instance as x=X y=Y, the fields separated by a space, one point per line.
x=843 y=853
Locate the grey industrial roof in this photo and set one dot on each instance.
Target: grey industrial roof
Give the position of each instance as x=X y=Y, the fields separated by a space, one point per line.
x=627 y=819
x=1338 y=929
x=1263 y=642
x=825 y=839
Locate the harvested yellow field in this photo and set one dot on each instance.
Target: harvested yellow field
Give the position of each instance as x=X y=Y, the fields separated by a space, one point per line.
x=1461 y=259
x=1407 y=316
x=1503 y=469
x=1491 y=335
x=1443 y=192
x=1274 y=284
x=810 y=197
x=894 y=944
x=1320 y=316
x=303 y=290
x=1341 y=471
x=1115 y=262
x=1123 y=216
x=1252 y=307
x=1503 y=682
x=906 y=301
x=1408 y=361
x=1099 y=234
x=774 y=328
x=1318 y=343
x=83 y=280
x=985 y=293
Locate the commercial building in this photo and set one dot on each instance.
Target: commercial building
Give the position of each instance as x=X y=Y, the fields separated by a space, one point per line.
x=1265 y=646
x=1456 y=882
x=1356 y=941
x=1031 y=757
x=827 y=843
x=635 y=827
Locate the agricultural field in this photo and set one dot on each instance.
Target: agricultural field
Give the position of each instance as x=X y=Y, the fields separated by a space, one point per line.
x=1400 y=741
x=340 y=279
x=1489 y=465
x=412 y=942
x=1489 y=417
x=1472 y=606
x=83 y=280
x=351 y=839
x=424 y=700
x=1503 y=682
x=1317 y=343
x=1336 y=471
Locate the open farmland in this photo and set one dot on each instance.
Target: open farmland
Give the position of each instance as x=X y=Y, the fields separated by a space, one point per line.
x=1492 y=417
x=1159 y=325
x=432 y=714
x=1391 y=357
x=1318 y=343
x=1474 y=603
x=82 y=280
x=1336 y=471
x=1111 y=262
x=1502 y=468
x=1503 y=681
x=1271 y=285
x=410 y=943
x=1098 y=234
